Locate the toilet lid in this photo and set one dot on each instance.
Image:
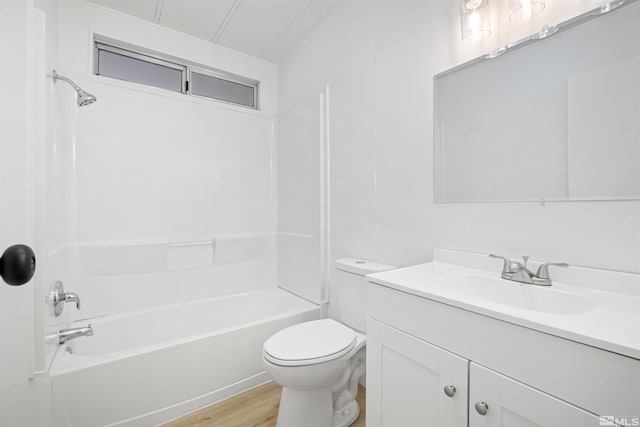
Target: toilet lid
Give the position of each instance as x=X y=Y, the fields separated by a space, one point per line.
x=309 y=342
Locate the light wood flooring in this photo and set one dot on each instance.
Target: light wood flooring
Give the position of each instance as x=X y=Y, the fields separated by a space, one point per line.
x=257 y=407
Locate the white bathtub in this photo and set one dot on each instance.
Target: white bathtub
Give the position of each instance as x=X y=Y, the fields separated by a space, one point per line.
x=148 y=367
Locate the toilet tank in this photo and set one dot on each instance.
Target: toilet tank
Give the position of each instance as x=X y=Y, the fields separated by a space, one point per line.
x=350 y=290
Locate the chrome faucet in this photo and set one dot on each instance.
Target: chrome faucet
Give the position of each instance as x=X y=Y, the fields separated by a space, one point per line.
x=65 y=335
x=58 y=297
x=518 y=272
x=72 y=297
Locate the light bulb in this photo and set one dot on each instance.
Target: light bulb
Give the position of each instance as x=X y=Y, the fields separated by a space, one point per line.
x=524 y=10
x=474 y=20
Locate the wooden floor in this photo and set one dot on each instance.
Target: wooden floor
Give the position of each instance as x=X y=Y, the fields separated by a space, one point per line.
x=257 y=407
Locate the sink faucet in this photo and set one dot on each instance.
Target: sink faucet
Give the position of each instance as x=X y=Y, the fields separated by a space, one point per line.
x=65 y=335
x=518 y=272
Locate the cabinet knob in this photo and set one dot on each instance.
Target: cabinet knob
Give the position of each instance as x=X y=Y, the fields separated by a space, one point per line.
x=449 y=390
x=482 y=408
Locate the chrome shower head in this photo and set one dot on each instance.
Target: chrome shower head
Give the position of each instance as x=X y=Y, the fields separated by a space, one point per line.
x=82 y=97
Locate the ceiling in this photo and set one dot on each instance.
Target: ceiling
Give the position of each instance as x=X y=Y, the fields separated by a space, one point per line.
x=267 y=29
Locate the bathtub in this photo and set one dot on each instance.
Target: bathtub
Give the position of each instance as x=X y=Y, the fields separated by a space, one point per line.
x=151 y=366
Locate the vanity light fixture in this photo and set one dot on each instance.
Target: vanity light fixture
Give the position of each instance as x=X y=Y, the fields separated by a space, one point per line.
x=546 y=31
x=475 y=20
x=496 y=52
x=524 y=10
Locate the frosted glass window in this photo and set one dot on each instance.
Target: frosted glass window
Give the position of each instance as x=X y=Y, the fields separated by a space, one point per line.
x=223 y=90
x=123 y=61
x=132 y=69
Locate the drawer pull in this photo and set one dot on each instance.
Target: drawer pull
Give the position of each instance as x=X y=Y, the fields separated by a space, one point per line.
x=449 y=390
x=482 y=408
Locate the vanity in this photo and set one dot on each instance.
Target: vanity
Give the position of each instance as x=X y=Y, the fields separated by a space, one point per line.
x=451 y=343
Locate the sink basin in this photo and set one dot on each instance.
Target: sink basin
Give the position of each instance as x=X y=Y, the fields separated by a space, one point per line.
x=599 y=308
x=517 y=295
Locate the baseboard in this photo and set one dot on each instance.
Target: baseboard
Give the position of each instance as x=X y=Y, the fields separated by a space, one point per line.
x=179 y=410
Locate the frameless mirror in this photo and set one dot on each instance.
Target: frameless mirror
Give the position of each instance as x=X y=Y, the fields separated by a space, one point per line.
x=555 y=119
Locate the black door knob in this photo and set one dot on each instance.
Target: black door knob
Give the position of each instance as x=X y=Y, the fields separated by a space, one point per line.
x=17 y=265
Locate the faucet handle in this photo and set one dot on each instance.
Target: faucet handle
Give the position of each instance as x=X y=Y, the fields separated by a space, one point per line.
x=72 y=297
x=58 y=297
x=543 y=270
x=507 y=267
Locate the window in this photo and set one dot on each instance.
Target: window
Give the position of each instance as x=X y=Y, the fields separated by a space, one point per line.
x=222 y=89
x=125 y=65
x=124 y=62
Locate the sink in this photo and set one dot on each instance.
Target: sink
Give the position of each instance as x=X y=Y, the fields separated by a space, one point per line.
x=516 y=295
x=599 y=308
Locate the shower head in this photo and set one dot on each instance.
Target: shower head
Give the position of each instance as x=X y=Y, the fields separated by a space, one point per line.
x=82 y=97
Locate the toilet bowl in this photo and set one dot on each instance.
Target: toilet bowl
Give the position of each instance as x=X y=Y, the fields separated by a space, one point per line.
x=319 y=365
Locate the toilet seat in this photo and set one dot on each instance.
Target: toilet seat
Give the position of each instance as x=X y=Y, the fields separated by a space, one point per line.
x=309 y=343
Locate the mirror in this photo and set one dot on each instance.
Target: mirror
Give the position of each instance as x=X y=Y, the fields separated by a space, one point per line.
x=556 y=119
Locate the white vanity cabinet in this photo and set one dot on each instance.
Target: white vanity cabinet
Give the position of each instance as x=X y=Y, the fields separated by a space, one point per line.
x=503 y=402
x=416 y=346
x=413 y=382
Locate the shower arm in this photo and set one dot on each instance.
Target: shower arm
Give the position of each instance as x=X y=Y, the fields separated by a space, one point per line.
x=82 y=97
x=57 y=76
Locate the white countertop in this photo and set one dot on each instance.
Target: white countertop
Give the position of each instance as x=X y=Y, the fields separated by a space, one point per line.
x=607 y=317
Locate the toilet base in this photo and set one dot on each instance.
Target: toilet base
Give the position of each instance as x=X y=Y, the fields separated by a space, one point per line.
x=347 y=415
x=312 y=408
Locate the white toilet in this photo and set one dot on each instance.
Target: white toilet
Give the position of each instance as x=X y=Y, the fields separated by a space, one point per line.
x=320 y=363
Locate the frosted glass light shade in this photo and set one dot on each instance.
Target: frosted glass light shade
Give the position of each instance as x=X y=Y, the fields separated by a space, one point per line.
x=523 y=10
x=475 y=21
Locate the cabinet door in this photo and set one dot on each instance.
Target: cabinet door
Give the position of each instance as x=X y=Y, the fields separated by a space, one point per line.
x=513 y=404
x=406 y=380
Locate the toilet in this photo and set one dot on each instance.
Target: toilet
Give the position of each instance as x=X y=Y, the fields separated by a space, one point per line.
x=320 y=363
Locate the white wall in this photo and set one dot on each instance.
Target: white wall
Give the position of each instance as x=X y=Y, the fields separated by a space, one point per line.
x=379 y=59
x=143 y=171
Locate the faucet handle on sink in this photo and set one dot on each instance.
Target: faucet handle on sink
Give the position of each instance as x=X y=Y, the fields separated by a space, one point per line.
x=543 y=270
x=508 y=266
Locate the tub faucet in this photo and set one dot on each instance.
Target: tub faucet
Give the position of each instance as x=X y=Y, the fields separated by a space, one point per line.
x=65 y=335
x=72 y=297
x=518 y=272
x=58 y=297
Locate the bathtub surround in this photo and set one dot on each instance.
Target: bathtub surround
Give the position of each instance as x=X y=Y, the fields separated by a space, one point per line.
x=303 y=135
x=157 y=192
x=169 y=199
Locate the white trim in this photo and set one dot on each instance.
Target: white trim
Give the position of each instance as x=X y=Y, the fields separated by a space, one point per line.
x=183 y=408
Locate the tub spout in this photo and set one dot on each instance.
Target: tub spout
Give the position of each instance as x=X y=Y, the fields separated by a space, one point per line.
x=65 y=335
